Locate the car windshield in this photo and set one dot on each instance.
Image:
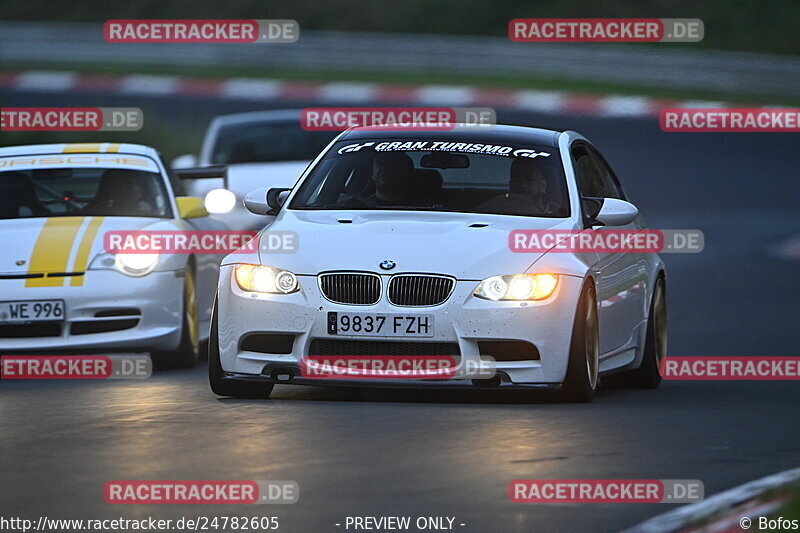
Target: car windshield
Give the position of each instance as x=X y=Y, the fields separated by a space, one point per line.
x=262 y=142
x=435 y=175
x=99 y=191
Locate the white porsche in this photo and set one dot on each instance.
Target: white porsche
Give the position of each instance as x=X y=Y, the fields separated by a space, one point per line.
x=415 y=226
x=61 y=292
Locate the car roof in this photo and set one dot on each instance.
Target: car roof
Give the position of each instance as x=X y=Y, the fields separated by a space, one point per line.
x=497 y=133
x=273 y=115
x=79 y=148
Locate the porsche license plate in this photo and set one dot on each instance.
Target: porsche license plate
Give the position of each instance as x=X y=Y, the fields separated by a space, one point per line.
x=22 y=311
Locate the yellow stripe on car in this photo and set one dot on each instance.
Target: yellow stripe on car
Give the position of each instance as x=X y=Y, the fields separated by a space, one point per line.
x=91 y=148
x=81 y=148
x=85 y=248
x=52 y=250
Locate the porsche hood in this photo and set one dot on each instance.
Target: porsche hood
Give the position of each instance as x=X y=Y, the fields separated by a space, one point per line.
x=62 y=244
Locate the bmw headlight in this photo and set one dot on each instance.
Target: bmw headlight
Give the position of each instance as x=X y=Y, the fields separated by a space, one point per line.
x=517 y=287
x=130 y=264
x=259 y=278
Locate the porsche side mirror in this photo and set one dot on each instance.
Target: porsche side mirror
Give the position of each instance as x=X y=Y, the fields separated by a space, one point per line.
x=190 y=207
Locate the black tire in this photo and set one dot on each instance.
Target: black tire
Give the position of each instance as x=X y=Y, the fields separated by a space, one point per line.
x=583 y=366
x=187 y=353
x=648 y=375
x=215 y=373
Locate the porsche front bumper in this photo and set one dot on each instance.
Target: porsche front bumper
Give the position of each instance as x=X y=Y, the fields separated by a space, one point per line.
x=110 y=312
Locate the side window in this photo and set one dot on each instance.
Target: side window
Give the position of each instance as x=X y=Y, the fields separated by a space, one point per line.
x=611 y=187
x=590 y=182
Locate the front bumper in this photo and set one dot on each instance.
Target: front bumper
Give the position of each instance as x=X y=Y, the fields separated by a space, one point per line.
x=158 y=297
x=462 y=319
x=504 y=382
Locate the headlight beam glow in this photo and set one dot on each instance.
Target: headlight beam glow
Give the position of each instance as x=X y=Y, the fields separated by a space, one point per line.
x=517 y=287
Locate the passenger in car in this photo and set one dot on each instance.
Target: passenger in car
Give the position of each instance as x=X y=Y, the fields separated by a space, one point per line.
x=527 y=192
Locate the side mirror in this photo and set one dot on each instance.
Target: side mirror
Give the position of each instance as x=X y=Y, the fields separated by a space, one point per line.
x=184 y=161
x=265 y=201
x=616 y=212
x=256 y=201
x=276 y=198
x=191 y=207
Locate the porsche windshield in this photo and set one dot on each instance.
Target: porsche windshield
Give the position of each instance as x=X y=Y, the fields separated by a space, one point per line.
x=52 y=192
x=431 y=175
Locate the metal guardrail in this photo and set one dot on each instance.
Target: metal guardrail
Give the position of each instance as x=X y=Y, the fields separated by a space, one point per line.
x=23 y=43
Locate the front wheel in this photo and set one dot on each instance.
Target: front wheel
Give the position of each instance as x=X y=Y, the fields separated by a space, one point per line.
x=187 y=353
x=584 y=354
x=219 y=386
x=648 y=375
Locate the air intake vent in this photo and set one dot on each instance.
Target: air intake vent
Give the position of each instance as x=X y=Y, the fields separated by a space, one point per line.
x=351 y=288
x=335 y=347
x=420 y=291
x=41 y=329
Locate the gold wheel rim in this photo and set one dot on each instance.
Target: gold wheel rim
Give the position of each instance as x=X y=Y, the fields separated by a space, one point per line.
x=190 y=309
x=660 y=323
x=592 y=342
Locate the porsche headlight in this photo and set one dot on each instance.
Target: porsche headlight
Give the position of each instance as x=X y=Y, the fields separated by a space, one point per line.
x=517 y=287
x=259 y=278
x=136 y=265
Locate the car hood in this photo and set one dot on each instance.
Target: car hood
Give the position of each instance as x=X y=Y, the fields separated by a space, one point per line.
x=63 y=244
x=467 y=246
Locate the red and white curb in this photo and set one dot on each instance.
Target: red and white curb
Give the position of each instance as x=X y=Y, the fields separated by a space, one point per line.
x=266 y=90
x=724 y=511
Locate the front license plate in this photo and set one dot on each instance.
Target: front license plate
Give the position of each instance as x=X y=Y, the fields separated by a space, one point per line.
x=31 y=311
x=380 y=325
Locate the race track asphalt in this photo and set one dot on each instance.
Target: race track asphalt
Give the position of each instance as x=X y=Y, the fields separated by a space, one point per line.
x=399 y=453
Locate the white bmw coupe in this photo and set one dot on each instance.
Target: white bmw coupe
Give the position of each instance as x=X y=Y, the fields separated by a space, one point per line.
x=412 y=228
